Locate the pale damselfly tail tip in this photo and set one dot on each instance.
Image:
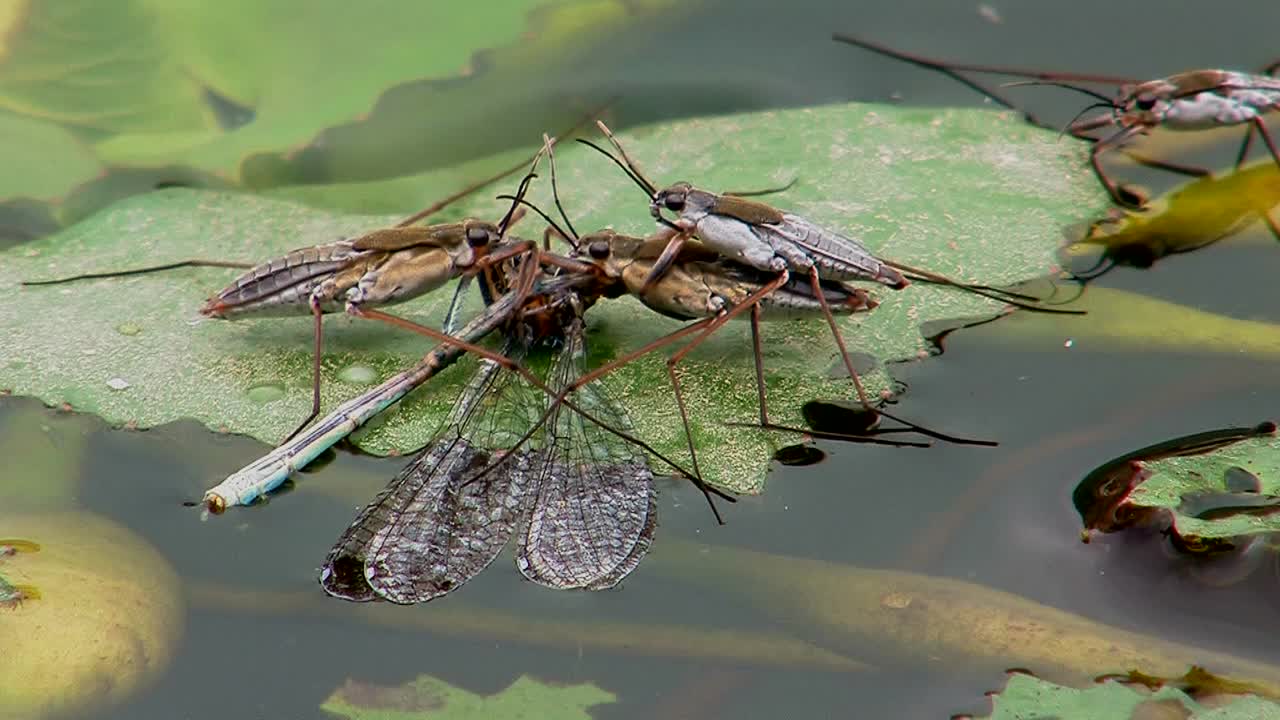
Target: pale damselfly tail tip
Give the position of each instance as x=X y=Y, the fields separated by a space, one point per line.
x=213 y=504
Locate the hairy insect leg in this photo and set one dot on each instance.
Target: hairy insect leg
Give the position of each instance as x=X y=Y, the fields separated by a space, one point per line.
x=1247 y=144
x=1023 y=301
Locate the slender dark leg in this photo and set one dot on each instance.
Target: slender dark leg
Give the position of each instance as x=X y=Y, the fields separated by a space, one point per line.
x=757 y=353
x=315 y=371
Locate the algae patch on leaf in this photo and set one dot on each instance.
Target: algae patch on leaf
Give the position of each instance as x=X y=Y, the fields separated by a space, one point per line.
x=973 y=194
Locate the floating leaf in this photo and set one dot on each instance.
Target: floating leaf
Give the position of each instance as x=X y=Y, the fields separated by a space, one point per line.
x=972 y=193
x=1025 y=697
x=1206 y=495
x=108 y=100
x=428 y=697
x=209 y=84
x=1103 y=497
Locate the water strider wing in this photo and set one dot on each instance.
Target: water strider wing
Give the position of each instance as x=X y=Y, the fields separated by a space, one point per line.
x=431 y=530
x=591 y=510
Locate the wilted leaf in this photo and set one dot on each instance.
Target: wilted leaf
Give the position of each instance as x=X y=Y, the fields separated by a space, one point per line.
x=1199 y=213
x=1025 y=697
x=428 y=697
x=970 y=193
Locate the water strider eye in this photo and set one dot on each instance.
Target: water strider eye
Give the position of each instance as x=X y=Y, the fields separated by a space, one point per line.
x=598 y=250
x=477 y=236
x=1145 y=102
x=674 y=201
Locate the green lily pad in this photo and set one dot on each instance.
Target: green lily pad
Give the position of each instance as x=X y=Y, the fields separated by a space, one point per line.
x=209 y=84
x=429 y=697
x=970 y=193
x=51 y=159
x=1231 y=492
x=1025 y=697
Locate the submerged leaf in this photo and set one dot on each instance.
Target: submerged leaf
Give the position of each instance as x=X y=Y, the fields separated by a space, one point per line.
x=970 y=193
x=1121 y=320
x=428 y=697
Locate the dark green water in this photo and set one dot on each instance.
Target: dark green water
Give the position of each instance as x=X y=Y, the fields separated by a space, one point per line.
x=947 y=511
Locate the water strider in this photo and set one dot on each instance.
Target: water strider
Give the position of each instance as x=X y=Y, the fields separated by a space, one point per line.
x=1187 y=101
x=776 y=242
x=385 y=266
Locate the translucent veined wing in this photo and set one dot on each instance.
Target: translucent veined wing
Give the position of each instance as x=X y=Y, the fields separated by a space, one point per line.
x=433 y=528
x=591 y=510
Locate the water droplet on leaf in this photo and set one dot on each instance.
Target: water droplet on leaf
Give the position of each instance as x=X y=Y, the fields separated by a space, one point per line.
x=358 y=375
x=264 y=393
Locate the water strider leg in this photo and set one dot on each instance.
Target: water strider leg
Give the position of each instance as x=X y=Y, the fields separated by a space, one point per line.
x=142 y=271
x=1112 y=142
x=857 y=382
x=318 y=325
x=757 y=352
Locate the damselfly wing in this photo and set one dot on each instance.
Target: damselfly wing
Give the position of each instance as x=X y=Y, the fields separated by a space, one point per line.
x=579 y=498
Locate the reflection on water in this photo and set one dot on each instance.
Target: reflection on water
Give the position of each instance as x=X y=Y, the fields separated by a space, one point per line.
x=262 y=642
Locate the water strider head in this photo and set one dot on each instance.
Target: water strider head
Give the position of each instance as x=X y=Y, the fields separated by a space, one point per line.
x=1192 y=100
x=681 y=198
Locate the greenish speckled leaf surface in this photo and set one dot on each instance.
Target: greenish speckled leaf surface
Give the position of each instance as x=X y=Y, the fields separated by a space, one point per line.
x=971 y=193
x=429 y=697
x=1197 y=490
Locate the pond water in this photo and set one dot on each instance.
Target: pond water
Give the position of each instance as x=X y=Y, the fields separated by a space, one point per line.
x=262 y=641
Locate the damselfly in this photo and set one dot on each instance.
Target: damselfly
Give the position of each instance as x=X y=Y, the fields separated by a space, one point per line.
x=580 y=502
x=526 y=305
